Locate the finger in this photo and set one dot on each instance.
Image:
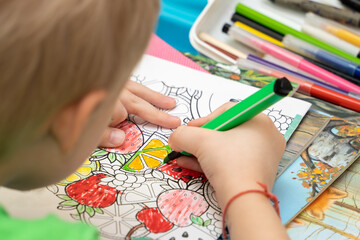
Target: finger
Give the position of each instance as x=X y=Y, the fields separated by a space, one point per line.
x=148 y=112
x=155 y=98
x=119 y=114
x=189 y=163
x=201 y=121
x=189 y=139
x=112 y=137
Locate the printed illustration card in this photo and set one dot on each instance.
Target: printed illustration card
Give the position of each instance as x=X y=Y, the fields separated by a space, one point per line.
x=319 y=165
x=127 y=192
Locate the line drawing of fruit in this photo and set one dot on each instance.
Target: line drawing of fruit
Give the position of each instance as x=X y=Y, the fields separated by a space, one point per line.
x=175 y=171
x=101 y=156
x=178 y=205
x=116 y=220
x=89 y=192
x=134 y=187
x=133 y=138
x=183 y=202
x=82 y=172
x=146 y=193
x=151 y=155
x=152 y=220
x=123 y=181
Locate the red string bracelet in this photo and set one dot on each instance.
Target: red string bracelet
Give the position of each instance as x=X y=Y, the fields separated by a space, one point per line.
x=269 y=195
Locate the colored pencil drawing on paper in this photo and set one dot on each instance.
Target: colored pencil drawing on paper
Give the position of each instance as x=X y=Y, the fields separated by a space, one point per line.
x=127 y=192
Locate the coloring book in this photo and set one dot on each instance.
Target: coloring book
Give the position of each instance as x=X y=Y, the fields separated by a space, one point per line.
x=126 y=192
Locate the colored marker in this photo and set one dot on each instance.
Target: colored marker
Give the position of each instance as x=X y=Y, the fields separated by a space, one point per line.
x=259 y=34
x=334 y=71
x=283 y=29
x=306 y=88
x=311 y=51
x=331 y=39
x=328 y=68
x=275 y=41
x=289 y=57
x=276 y=61
x=245 y=110
x=239 y=18
x=235 y=54
x=334 y=28
x=338 y=66
x=342 y=15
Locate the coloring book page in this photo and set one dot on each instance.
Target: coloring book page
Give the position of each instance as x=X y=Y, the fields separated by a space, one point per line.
x=128 y=193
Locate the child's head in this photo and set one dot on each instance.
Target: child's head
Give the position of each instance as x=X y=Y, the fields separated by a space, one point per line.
x=62 y=66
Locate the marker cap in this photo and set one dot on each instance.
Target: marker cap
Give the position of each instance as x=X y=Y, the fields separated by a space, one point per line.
x=226 y=28
x=315 y=21
x=327 y=37
x=318 y=54
x=263 y=46
x=282 y=86
x=297 y=45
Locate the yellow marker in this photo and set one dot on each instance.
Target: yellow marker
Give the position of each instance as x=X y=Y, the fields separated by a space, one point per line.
x=259 y=34
x=345 y=35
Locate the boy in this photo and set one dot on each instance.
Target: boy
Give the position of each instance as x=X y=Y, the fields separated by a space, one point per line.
x=64 y=67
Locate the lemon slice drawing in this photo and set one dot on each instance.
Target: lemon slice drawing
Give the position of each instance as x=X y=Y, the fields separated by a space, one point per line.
x=82 y=172
x=151 y=155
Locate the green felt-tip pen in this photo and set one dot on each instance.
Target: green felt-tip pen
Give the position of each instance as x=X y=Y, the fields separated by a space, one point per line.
x=245 y=110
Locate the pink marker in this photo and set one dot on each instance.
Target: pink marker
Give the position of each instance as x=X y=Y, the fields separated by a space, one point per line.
x=263 y=46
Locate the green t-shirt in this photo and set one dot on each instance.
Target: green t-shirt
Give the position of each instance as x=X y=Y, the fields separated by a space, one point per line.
x=46 y=228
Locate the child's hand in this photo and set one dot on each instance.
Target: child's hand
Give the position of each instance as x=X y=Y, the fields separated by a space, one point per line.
x=232 y=160
x=141 y=101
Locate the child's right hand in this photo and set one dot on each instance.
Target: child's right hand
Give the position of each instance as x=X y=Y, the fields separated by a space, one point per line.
x=232 y=160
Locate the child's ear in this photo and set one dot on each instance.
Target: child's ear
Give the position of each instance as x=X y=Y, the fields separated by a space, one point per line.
x=70 y=120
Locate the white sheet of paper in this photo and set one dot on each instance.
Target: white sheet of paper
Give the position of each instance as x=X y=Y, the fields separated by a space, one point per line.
x=216 y=90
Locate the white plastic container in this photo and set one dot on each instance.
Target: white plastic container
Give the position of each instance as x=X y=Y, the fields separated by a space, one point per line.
x=219 y=12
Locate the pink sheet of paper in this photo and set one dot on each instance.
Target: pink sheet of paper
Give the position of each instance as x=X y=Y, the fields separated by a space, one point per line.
x=159 y=48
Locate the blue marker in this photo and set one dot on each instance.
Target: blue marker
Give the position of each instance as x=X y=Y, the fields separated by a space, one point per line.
x=311 y=51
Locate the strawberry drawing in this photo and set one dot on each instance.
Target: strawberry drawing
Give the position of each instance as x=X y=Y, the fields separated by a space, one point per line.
x=133 y=138
x=90 y=193
x=174 y=170
x=178 y=205
x=152 y=220
x=182 y=202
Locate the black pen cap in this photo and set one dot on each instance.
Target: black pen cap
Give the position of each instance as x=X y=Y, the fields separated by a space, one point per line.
x=226 y=28
x=282 y=86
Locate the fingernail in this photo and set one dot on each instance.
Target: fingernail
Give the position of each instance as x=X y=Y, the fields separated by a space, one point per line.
x=117 y=137
x=171 y=99
x=234 y=100
x=175 y=118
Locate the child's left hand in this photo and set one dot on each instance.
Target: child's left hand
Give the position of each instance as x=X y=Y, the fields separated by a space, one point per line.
x=141 y=101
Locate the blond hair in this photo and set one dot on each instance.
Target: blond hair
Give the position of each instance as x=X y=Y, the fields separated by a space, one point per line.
x=52 y=52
